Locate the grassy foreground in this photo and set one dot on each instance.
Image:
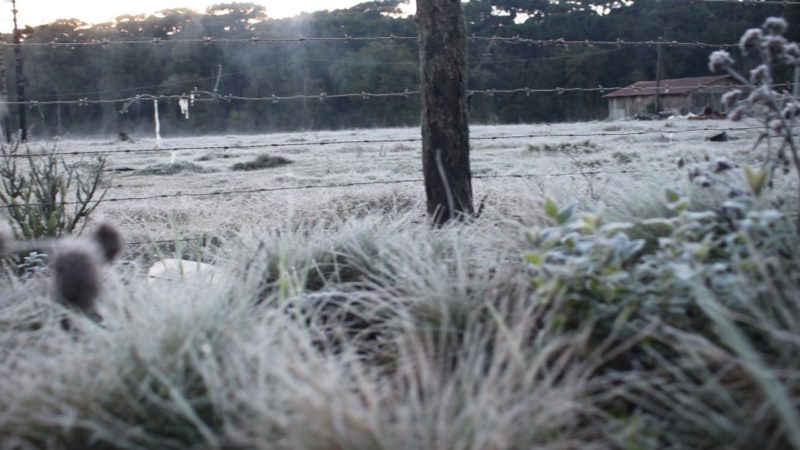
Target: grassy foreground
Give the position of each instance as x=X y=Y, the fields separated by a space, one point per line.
x=378 y=332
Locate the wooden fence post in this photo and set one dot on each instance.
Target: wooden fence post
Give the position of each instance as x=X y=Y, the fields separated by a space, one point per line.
x=445 y=130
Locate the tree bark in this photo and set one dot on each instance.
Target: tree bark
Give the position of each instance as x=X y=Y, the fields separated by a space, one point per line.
x=445 y=130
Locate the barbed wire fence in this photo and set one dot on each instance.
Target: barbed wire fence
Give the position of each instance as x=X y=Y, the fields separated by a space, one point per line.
x=212 y=237
x=514 y=40
x=213 y=96
x=324 y=143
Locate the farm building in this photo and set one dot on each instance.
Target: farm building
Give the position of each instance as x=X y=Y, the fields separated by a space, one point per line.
x=678 y=95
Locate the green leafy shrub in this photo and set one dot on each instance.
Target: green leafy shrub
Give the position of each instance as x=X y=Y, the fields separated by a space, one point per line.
x=44 y=196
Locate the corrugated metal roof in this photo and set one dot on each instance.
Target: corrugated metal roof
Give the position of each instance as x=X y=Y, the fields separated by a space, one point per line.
x=671 y=86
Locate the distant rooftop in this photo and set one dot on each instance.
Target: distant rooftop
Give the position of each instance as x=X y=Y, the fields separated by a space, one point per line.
x=671 y=86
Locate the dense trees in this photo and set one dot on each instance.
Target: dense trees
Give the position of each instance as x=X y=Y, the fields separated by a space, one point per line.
x=258 y=69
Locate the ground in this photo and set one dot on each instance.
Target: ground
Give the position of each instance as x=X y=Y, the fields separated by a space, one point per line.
x=541 y=154
x=338 y=318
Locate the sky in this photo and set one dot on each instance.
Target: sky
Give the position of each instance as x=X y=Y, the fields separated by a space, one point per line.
x=38 y=12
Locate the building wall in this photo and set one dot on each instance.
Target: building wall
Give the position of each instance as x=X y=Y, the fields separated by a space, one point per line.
x=620 y=108
x=713 y=99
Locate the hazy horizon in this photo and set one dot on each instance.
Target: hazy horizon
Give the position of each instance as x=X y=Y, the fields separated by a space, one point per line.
x=40 y=12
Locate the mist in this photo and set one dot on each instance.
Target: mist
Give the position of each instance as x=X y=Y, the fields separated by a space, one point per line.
x=225 y=62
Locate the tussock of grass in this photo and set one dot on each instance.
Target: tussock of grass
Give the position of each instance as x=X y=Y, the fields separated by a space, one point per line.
x=172 y=169
x=261 y=162
x=565 y=147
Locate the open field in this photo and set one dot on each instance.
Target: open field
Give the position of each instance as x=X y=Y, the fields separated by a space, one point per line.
x=339 y=319
x=600 y=147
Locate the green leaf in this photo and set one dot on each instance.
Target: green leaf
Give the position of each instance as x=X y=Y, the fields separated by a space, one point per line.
x=565 y=215
x=672 y=196
x=660 y=224
x=551 y=209
x=679 y=206
x=756 y=179
x=535 y=258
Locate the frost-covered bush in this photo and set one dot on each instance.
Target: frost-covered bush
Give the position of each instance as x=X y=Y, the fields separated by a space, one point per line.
x=702 y=316
x=44 y=196
x=759 y=96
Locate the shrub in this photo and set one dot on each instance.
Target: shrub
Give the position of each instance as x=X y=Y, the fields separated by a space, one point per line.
x=47 y=196
x=758 y=96
x=172 y=169
x=723 y=279
x=262 y=162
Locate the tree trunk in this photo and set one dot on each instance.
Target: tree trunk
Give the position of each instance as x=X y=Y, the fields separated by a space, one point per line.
x=445 y=131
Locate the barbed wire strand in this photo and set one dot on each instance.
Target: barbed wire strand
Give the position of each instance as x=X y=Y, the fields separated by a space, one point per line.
x=376 y=141
x=193 y=82
x=208 y=96
x=334 y=186
x=207 y=40
x=208 y=237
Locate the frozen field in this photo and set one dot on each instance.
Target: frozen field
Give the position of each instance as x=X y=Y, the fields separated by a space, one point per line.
x=564 y=160
x=336 y=317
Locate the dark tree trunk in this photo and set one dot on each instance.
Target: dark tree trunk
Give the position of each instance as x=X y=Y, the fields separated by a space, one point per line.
x=445 y=131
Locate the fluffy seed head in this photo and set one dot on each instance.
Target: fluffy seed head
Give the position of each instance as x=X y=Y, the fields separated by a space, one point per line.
x=750 y=38
x=729 y=98
x=76 y=280
x=110 y=241
x=776 y=47
x=720 y=60
x=760 y=75
x=775 y=25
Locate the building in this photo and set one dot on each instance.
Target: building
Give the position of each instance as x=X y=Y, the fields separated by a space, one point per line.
x=679 y=96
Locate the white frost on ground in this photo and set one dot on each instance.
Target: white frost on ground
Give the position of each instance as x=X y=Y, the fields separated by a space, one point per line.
x=595 y=147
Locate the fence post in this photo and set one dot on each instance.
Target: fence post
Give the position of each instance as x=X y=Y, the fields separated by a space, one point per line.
x=445 y=131
x=23 y=121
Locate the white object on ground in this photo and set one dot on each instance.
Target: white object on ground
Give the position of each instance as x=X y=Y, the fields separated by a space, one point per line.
x=157 y=124
x=182 y=270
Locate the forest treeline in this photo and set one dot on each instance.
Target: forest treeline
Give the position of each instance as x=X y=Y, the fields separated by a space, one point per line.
x=261 y=69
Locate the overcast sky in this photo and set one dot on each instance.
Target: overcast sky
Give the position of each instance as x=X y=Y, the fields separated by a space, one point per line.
x=37 y=12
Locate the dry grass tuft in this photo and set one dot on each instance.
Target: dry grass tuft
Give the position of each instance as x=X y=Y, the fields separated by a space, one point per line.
x=172 y=169
x=261 y=162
